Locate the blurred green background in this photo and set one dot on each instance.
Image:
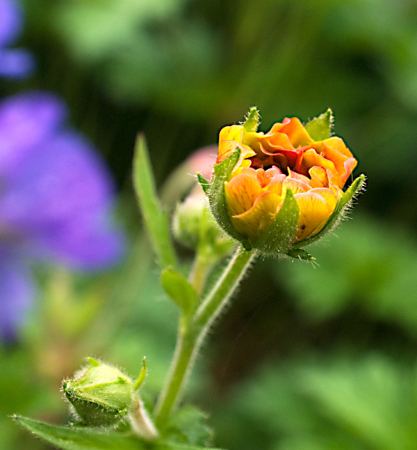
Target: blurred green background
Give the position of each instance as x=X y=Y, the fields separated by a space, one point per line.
x=308 y=356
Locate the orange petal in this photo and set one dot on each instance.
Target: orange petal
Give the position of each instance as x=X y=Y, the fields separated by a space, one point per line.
x=265 y=176
x=338 y=144
x=242 y=191
x=344 y=164
x=311 y=158
x=254 y=222
x=298 y=176
x=275 y=139
x=295 y=131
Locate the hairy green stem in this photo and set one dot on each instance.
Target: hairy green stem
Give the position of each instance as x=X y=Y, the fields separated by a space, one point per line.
x=190 y=338
x=200 y=271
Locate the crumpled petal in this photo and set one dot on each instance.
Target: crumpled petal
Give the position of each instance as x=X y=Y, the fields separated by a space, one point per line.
x=229 y=139
x=294 y=129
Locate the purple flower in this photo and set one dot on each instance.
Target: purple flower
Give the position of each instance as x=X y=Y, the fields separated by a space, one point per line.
x=55 y=199
x=14 y=63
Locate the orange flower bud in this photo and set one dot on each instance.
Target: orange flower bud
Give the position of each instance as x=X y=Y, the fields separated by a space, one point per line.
x=256 y=172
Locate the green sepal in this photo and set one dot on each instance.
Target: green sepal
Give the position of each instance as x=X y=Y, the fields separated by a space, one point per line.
x=179 y=290
x=277 y=238
x=320 y=128
x=252 y=120
x=299 y=253
x=217 y=199
x=74 y=438
x=204 y=183
x=142 y=375
x=156 y=220
x=338 y=214
x=100 y=394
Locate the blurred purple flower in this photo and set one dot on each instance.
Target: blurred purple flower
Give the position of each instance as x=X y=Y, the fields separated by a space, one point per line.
x=14 y=63
x=55 y=199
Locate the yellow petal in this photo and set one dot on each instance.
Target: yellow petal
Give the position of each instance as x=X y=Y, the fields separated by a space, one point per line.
x=314 y=212
x=296 y=186
x=318 y=176
x=330 y=195
x=242 y=191
x=231 y=138
x=255 y=221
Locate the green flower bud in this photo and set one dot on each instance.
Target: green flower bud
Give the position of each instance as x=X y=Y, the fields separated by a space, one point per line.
x=100 y=394
x=194 y=225
x=103 y=396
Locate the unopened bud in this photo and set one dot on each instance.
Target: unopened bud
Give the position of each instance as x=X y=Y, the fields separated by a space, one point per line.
x=193 y=225
x=100 y=394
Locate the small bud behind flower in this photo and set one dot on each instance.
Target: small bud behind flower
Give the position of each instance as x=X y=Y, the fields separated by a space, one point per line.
x=279 y=191
x=103 y=396
x=194 y=225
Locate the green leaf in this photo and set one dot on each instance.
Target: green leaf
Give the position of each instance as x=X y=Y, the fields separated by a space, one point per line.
x=320 y=128
x=72 y=438
x=155 y=218
x=179 y=289
x=299 y=253
x=188 y=425
x=277 y=238
x=176 y=446
x=217 y=200
x=252 y=120
x=343 y=205
x=204 y=183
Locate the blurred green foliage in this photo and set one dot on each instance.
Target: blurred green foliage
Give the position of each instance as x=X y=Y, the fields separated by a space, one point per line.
x=366 y=265
x=309 y=356
x=341 y=403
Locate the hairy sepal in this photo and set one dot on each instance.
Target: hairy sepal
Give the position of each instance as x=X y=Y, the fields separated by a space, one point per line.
x=277 y=238
x=217 y=198
x=320 y=128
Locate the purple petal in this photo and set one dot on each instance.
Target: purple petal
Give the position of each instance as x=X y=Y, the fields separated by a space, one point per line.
x=16 y=63
x=26 y=121
x=62 y=180
x=10 y=21
x=89 y=245
x=56 y=193
x=16 y=295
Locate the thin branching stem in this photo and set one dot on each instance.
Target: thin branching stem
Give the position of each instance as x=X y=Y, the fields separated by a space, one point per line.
x=191 y=337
